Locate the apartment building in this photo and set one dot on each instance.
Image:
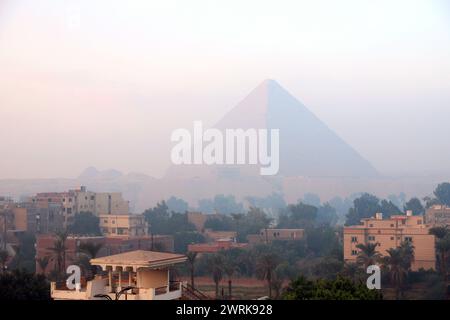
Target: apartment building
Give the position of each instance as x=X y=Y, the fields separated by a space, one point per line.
x=390 y=233
x=130 y=225
x=438 y=215
x=81 y=200
x=270 y=234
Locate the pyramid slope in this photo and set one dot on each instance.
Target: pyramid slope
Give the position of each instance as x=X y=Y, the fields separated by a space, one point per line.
x=307 y=146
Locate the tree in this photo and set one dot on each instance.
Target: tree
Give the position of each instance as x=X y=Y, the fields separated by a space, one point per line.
x=395 y=264
x=326 y=214
x=4 y=256
x=20 y=285
x=191 y=257
x=43 y=263
x=414 y=205
x=230 y=268
x=388 y=208
x=183 y=239
x=85 y=223
x=177 y=205
x=265 y=266
x=363 y=207
x=442 y=193
x=442 y=235
x=216 y=262
x=368 y=254
x=298 y=216
x=59 y=250
x=91 y=250
x=341 y=288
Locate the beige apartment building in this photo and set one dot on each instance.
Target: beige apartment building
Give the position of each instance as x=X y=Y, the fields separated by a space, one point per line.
x=438 y=215
x=82 y=200
x=130 y=225
x=390 y=233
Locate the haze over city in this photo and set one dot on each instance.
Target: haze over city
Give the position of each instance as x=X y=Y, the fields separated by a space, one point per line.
x=104 y=83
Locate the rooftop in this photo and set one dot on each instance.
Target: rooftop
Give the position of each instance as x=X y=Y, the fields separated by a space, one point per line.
x=139 y=259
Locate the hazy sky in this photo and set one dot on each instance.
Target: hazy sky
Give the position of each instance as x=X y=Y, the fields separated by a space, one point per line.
x=103 y=83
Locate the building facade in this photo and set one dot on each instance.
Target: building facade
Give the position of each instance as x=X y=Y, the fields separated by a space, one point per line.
x=130 y=225
x=270 y=234
x=390 y=233
x=438 y=215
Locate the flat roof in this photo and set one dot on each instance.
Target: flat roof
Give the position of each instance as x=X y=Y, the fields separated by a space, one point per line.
x=139 y=259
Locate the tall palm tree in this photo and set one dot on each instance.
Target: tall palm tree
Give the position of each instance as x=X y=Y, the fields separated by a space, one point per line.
x=394 y=263
x=4 y=256
x=59 y=250
x=407 y=251
x=43 y=263
x=230 y=268
x=237 y=217
x=265 y=266
x=91 y=250
x=442 y=235
x=216 y=268
x=368 y=254
x=191 y=257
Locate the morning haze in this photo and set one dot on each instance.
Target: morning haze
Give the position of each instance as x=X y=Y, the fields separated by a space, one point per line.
x=85 y=84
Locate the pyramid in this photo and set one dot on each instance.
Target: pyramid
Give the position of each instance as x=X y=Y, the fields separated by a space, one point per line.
x=308 y=148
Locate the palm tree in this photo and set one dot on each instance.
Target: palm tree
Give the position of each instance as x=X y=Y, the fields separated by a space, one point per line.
x=191 y=257
x=368 y=254
x=91 y=250
x=237 y=217
x=230 y=269
x=395 y=264
x=4 y=256
x=442 y=235
x=43 y=263
x=59 y=250
x=407 y=251
x=265 y=265
x=216 y=269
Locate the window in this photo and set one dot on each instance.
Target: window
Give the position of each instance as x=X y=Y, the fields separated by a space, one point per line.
x=392 y=225
x=69 y=210
x=70 y=199
x=371 y=225
x=419 y=221
x=371 y=238
x=354 y=252
x=392 y=238
x=408 y=239
x=92 y=197
x=354 y=239
x=105 y=221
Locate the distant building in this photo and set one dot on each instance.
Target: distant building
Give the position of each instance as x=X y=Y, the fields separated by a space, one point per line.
x=390 y=233
x=130 y=225
x=145 y=272
x=198 y=219
x=82 y=200
x=219 y=245
x=213 y=235
x=270 y=234
x=438 y=215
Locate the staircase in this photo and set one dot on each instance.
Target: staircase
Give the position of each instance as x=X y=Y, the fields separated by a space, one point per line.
x=190 y=293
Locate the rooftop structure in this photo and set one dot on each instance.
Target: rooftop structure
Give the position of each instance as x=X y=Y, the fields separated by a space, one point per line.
x=136 y=275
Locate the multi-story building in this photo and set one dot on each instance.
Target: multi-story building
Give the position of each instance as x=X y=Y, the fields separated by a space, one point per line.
x=270 y=234
x=218 y=245
x=136 y=275
x=82 y=200
x=438 y=215
x=390 y=233
x=130 y=225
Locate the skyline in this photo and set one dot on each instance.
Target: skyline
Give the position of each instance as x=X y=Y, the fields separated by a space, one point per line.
x=378 y=75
